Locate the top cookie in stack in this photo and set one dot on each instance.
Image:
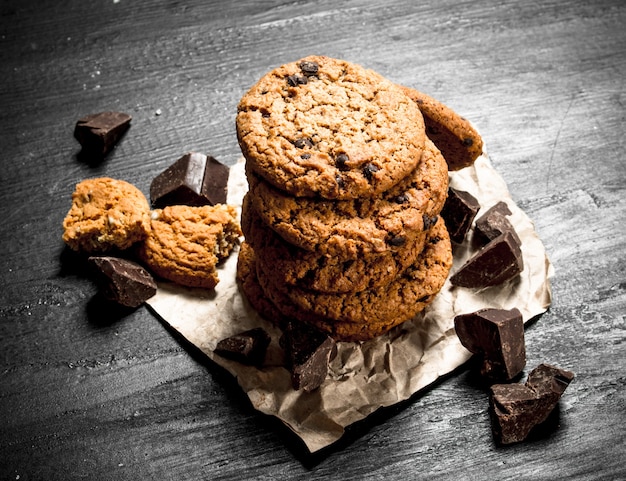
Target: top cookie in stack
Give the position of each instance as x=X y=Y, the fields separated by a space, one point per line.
x=341 y=220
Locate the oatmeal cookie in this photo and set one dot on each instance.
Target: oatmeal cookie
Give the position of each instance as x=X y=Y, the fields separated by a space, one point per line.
x=298 y=267
x=457 y=139
x=366 y=314
x=351 y=228
x=186 y=243
x=329 y=128
x=106 y=214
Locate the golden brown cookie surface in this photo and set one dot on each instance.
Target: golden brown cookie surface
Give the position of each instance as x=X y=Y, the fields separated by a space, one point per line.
x=186 y=243
x=351 y=228
x=455 y=137
x=362 y=315
x=106 y=214
x=330 y=128
x=294 y=266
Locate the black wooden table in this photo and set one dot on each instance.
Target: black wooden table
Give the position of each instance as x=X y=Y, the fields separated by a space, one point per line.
x=91 y=392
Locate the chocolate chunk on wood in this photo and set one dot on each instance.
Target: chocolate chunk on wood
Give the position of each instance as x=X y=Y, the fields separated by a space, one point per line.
x=458 y=212
x=499 y=261
x=493 y=223
x=98 y=133
x=123 y=281
x=195 y=179
x=248 y=347
x=516 y=409
x=497 y=335
x=307 y=352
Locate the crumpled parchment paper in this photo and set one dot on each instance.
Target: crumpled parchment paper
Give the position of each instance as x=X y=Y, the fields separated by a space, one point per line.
x=364 y=376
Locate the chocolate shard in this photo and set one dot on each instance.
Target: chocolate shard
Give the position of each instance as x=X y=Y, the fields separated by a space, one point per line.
x=307 y=352
x=499 y=261
x=516 y=409
x=195 y=179
x=546 y=378
x=497 y=335
x=248 y=347
x=493 y=224
x=98 y=133
x=459 y=212
x=123 y=281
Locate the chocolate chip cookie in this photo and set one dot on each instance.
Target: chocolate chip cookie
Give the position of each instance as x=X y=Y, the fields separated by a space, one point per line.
x=324 y=127
x=455 y=137
x=352 y=228
x=106 y=214
x=186 y=243
x=298 y=267
x=360 y=315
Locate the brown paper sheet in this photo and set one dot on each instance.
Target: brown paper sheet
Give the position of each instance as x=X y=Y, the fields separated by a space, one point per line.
x=364 y=376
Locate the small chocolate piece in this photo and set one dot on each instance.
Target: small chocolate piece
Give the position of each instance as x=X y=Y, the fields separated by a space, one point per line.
x=195 y=179
x=309 y=68
x=369 y=170
x=517 y=408
x=307 y=352
x=247 y=347
x=341 y=161
x=295 y=80
x=497 y=262
x=459 y=212
x=123 y=281
x=98 y=133
x=303 y=142
x=493 y=223
x=497 y=335
x=428 y=221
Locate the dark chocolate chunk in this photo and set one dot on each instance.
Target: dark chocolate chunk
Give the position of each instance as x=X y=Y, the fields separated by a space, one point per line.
x=98 y=133
x=369 y=170
x=340 y=181
x=341 y=161
x=303 y=142
x=295 y=80
x=401 y=199
x=458 y=213
x=248 y=347
x=428 y=221
x=307 y=352
x=499 y=261
x=497 y=335
x=516 y=409
x=309 y=68
x=493 y=223
x=194 y=179
x=397 y=241
x=123 y=281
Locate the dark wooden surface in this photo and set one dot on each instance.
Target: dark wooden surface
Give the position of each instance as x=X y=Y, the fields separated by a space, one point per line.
x=90 y=392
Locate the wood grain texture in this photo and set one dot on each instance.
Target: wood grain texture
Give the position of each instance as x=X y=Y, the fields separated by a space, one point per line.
x=87 y=391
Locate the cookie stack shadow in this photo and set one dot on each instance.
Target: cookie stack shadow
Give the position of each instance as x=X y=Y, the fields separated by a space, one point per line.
x=353 y=266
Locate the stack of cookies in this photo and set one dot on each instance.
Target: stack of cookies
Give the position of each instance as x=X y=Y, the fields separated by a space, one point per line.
x=341 y=219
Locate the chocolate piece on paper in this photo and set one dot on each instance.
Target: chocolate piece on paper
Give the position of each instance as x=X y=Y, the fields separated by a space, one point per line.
x=458 y=212
x=248 y=347
x=98 y=133
x=123 y=281
x=499 y=261
x=493 y=223
x=497 y=335
x=516 y=409
x=195 y=179
x=307 y=352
